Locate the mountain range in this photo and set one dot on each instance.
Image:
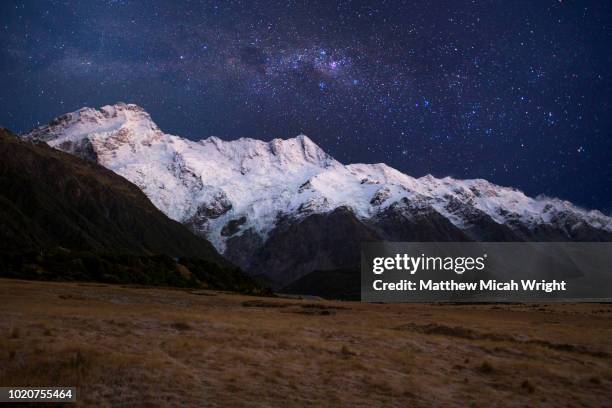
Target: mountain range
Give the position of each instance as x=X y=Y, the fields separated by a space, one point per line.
x=285 y=209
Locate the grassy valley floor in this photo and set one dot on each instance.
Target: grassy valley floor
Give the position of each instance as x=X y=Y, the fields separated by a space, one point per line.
x=129 y=346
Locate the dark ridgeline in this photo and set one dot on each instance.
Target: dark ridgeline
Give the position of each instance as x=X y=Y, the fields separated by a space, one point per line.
x=65 y=218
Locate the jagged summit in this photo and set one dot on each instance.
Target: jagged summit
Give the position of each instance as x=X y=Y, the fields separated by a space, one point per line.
x=239 y=193
x=79 y=124
x=93 y=133
x=300 y=149
x=90 y=133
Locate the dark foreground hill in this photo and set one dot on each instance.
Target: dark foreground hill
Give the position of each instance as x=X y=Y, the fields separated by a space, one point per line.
x=64 y=218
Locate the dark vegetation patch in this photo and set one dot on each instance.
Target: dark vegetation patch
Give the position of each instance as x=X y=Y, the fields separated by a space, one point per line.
x=181 y=326
x=314 y=312
x=485 y=368
x=61 y=264
x=201 y=293
x=310 y=309
x=528 y=386
x=264 y=303
x=69 y=296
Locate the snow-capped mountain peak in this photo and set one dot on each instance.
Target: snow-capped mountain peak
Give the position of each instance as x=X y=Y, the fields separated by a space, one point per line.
x=96 y=133
x=289 y=153
x=80 y=124
x=226 y=189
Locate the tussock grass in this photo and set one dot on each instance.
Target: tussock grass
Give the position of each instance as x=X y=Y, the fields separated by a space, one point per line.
x=14 y=333
x=155 y=347
x=181 y=326
x=486 y=368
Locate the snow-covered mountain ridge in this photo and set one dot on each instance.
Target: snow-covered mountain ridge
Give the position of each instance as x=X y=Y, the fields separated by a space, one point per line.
x=222 y=189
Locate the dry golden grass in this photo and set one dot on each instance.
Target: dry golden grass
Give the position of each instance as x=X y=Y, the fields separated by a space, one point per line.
x=161 y=347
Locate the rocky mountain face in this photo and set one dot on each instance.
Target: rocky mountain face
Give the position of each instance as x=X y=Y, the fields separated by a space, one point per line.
x=284 y=208
x=63 y=217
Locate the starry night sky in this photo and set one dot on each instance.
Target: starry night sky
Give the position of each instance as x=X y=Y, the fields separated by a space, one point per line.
x=517 y=92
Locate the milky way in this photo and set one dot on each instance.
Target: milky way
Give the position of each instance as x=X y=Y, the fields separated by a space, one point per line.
x=514 y=92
